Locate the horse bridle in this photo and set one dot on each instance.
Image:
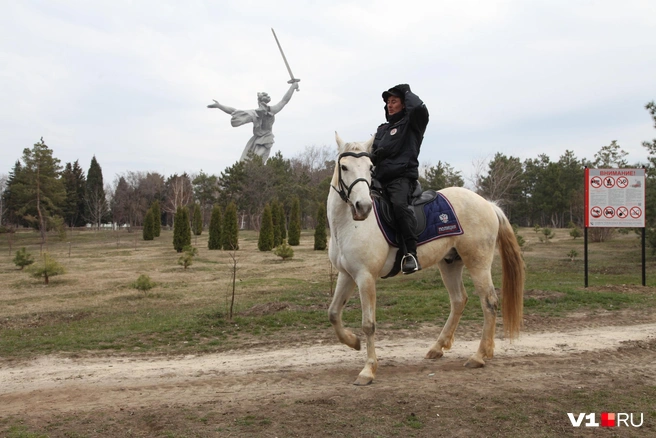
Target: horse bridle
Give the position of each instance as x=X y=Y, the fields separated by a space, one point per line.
x=345 y=191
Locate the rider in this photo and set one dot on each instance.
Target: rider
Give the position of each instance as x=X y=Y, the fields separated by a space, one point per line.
x=395 y=153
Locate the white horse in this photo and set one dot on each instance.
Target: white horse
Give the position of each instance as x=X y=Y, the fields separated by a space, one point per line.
x=361 y=254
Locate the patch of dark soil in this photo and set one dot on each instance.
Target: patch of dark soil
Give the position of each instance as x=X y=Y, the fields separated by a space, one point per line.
x=36 y=320
x=266 y=309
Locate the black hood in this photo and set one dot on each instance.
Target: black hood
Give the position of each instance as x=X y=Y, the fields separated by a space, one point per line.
x=394 y=91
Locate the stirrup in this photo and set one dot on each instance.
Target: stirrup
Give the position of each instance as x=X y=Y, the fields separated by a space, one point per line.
x=410 y=259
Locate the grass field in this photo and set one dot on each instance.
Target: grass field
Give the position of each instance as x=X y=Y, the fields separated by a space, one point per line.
x=93 y=308
x=92 y=314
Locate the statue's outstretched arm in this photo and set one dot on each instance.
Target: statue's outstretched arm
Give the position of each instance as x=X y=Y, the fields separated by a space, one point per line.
x=285 y=99
x=224 y=108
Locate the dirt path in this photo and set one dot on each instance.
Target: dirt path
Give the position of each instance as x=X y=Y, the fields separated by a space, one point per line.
x=51 y=385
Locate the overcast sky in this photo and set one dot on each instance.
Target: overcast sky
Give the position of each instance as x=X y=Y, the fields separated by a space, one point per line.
x=130 y=81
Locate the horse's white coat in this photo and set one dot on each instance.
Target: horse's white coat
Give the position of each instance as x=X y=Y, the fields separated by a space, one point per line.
x=361 y=254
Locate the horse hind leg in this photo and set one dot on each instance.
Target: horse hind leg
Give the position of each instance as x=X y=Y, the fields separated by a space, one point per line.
x=451 y=271
x=482 y=279
x=343 y=291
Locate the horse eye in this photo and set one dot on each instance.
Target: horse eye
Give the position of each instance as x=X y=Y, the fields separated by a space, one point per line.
x=344 y=168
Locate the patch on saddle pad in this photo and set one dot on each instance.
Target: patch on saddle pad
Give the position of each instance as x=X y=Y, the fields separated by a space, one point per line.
x=441 y=221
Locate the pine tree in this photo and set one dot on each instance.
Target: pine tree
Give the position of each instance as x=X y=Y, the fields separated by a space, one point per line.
x=75 y=184
x=266 y=239
x=49 y=267
x=96 y=202
x=187 y=258
x=13 y=195
x=230 y=231
x=214 y=241
x=187 y=231
x=284 y=251
x=157 y=218
x=23 y=258
x=198 y=220
x=320 y=238
x=149 y=225
x=283 y=222
x=275 y=217
x=177 y=230
x=181 y=229
x=43 y=192
x=295 y=223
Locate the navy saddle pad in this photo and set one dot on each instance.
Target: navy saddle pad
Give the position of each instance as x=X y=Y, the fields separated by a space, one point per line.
x=435 y=218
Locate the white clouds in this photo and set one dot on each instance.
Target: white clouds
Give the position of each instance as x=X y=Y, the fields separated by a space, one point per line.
x=130 y=81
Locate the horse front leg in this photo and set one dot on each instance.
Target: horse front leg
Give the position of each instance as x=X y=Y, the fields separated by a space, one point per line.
x=367 y=288
x=343 y=291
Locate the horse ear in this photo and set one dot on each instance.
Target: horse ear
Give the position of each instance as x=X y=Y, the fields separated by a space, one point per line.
x=339 y=140
x=367 y=144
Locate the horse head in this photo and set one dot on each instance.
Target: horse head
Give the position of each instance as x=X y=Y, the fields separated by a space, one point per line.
x=352 y=176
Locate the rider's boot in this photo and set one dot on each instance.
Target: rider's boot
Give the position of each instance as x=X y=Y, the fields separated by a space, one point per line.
x=410 y=262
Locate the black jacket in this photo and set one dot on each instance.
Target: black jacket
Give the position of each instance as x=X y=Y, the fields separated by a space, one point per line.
x=395 y=151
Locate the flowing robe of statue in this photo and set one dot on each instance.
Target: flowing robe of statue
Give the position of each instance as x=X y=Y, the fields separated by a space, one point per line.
x=262 y=119
x=262 y=139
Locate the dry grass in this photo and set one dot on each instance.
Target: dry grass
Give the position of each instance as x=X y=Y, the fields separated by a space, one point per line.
x=102 y=265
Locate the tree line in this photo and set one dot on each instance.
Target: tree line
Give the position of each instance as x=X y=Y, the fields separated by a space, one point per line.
x=42 y=194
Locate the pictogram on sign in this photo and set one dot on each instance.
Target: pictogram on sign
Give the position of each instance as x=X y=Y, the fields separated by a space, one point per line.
x=595 y=212
x=609 y=182
x=595 y=182
x=622 y=182
x=622 y=212
x=609 y=212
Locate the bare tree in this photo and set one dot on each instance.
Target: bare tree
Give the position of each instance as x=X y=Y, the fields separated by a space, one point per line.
x=315 y=162
x=97 y=207
x=179 y=193
x=501 y=181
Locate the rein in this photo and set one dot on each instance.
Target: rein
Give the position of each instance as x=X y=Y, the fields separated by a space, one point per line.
x=344 y=190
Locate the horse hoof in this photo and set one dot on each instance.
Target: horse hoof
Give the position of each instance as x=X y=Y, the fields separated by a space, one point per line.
x=363 y=381
x=356 y=344
x=474 y=363
x=434 y=354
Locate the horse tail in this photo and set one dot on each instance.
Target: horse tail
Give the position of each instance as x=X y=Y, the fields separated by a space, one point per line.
x=512 y=286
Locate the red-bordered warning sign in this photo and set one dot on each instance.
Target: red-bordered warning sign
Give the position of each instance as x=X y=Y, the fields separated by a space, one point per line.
x=622 y=212
x=609 y=182
x=615 y=198
x=622 y=182
x=635 y=212
x=595 y=182
x=596 y=212
x=609 y=212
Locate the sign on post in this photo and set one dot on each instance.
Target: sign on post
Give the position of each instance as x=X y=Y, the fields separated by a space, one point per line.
x=615 y=198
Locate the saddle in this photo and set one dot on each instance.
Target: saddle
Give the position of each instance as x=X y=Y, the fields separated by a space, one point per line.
x=419 y=199
x=435 y=218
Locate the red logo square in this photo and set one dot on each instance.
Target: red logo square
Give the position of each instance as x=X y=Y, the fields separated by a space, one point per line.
x=607 y=419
